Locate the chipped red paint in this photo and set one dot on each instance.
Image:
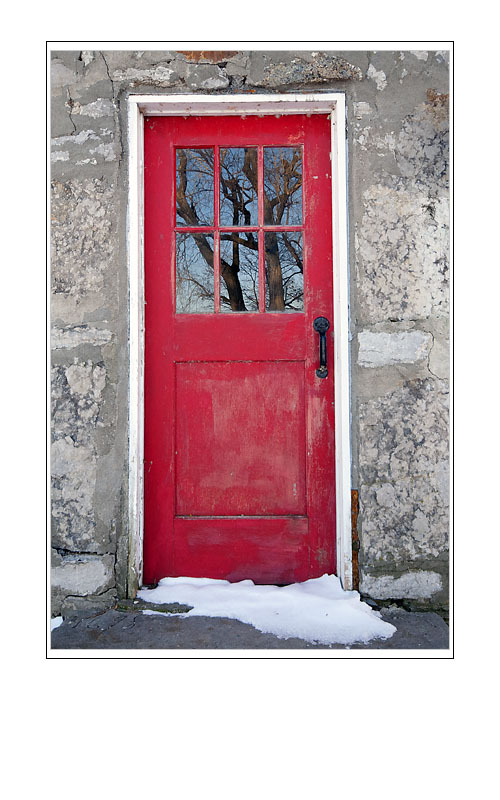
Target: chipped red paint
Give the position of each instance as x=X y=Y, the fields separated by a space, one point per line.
x=239 y=430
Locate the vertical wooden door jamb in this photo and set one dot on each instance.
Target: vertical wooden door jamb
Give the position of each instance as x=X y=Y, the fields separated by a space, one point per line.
x=138 y=105
x=135 y=246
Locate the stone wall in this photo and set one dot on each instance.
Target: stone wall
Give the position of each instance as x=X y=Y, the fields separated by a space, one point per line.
x=398 y=211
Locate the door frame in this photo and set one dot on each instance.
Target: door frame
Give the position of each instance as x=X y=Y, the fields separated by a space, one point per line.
x=332 y=104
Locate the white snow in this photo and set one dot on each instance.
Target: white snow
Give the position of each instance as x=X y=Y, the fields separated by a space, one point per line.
x=55 y=622
x=318 y=610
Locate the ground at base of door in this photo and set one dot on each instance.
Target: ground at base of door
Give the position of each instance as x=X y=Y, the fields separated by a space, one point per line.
x=131 y=630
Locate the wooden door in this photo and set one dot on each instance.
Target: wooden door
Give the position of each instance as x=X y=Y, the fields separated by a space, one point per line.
x=239 y=425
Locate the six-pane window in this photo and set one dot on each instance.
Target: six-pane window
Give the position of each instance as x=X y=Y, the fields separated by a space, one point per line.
x=239 y=229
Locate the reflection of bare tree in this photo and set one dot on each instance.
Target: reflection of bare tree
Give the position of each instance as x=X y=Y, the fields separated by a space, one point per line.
x=238 y=183
x=284 y=271
x=239 y=186
x=246 y=260
x=195 y=277
x=194 y=194
x=282 y=180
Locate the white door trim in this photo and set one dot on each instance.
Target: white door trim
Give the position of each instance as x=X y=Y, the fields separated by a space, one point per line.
x=332 y=103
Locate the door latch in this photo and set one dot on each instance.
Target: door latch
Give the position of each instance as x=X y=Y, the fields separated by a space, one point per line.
x=321 y=326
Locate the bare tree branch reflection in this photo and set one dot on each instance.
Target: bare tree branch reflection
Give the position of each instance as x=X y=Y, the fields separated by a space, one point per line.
x=239 y=249
x=284 y=271
x=195 y=276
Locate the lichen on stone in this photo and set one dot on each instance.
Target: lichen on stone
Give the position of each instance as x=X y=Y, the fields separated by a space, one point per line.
x=403 y=461
x=402 y=252
x=82 y=244
x=402 y=238
x=77 y=395
x=76 y=400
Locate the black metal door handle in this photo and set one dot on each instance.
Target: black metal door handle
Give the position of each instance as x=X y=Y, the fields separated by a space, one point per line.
x=321 y=326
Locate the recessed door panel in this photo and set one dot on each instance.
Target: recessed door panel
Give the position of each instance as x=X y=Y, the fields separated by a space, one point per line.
x=240 y=439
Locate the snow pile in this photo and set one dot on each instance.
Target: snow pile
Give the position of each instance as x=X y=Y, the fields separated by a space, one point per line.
x=55 y=622
x=318 y=610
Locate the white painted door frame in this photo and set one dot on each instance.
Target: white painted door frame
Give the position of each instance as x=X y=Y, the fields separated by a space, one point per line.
x=332 y=104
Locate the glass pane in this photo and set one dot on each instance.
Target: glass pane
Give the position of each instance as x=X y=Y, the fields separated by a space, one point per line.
x=282 y=186
x=238 y=186
x=195 y=187
x=239 y=272
x=284 y=272
x=194 y=273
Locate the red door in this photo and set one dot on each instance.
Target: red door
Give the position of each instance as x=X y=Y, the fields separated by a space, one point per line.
x=239 y=427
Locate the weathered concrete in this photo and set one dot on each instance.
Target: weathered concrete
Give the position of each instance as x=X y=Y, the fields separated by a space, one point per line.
x=398 y=209
x=115 y=630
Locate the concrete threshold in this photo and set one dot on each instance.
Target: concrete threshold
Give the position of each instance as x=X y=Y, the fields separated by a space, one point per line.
x=130 y=629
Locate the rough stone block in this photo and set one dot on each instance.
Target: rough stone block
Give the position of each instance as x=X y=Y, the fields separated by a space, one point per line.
x=403 y=520
x=87 y=147
x=73 y=487
x=162 y=75
x=70 y=606
x=206 y=76
x=402 y=244
x=402 y=237
x=101 y=107
x=237 y=65
x=403 y=463
x=281 y=69
x=439 y=357
x=77 y=398
x=417 y=585
x=83 y=575
x=139 y=59
x=422 y=146
x=378 y=349
x=70 y=337
x=404 y=433
x=82 y=583
x=82 y=244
